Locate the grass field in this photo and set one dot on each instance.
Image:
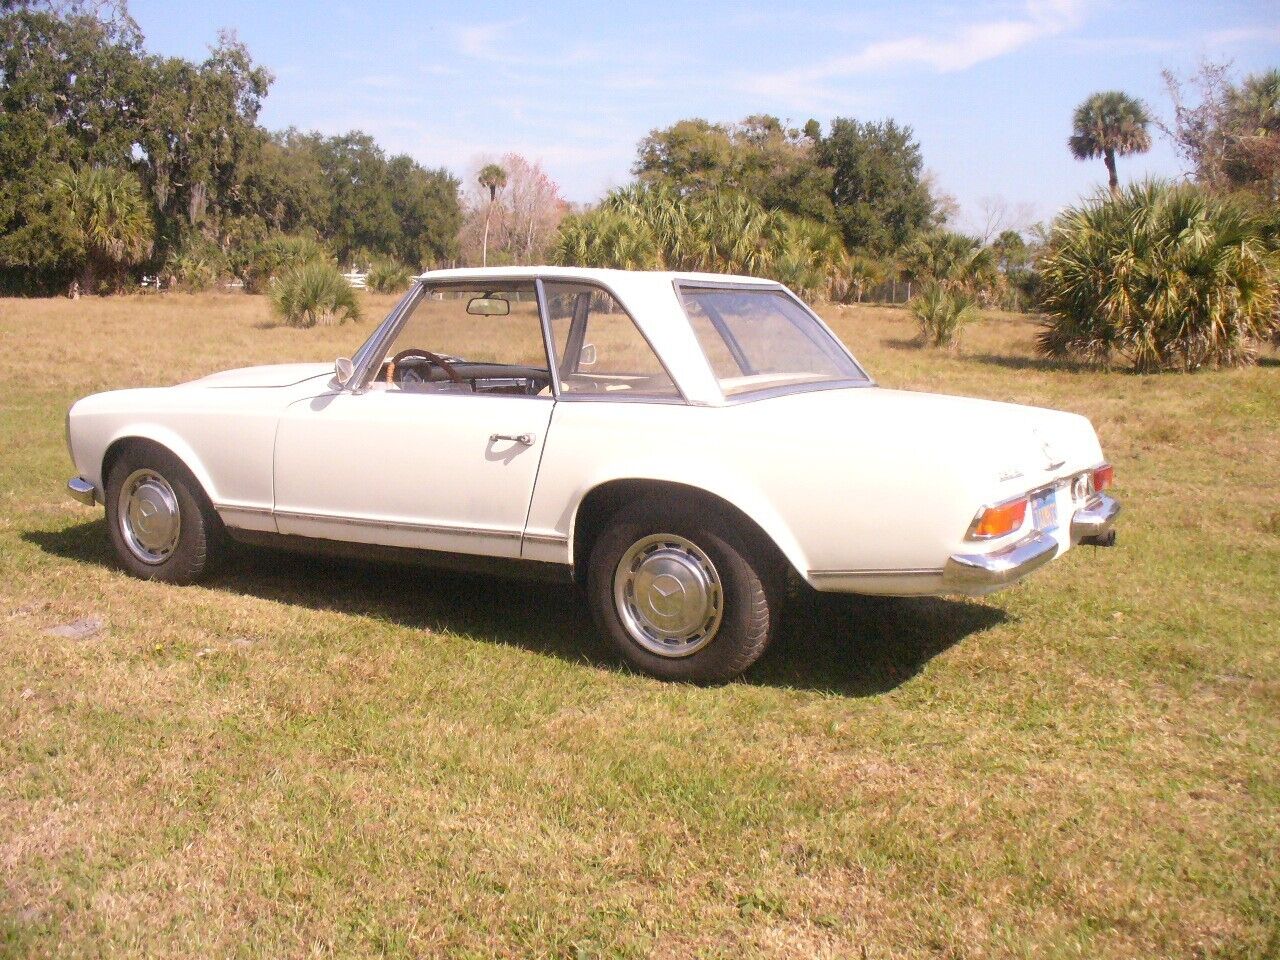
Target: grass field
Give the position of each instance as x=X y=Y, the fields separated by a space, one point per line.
x=300 y=759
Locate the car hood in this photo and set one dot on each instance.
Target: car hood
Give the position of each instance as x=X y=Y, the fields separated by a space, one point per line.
x=1009 y=443
x=273 y=375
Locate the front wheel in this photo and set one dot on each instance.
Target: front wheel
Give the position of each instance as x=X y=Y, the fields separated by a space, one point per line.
x=683 y=594
x=161 y=524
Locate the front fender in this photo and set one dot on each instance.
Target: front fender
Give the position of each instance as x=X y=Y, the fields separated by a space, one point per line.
x=225 y=438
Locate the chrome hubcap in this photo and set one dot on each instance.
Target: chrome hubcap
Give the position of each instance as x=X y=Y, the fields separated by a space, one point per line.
x=668 y=595
x=149 y=518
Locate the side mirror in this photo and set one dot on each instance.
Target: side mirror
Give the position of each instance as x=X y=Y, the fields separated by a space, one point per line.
x=343 y=370
x=587 y=355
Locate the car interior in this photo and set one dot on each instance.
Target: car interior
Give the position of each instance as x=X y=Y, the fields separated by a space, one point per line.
x=489 y=341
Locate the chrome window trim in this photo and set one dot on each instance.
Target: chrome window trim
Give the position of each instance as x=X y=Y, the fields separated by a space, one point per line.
x=764 y=393
x=376 y=345
x=548 y=344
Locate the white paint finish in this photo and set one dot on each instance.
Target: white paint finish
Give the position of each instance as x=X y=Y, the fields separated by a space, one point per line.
x=863 y=489
x=270 y=375
x=225 y=437
x=410 y=469
x=856 y=479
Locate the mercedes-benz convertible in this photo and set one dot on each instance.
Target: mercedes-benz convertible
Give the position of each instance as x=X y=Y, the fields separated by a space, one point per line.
x=681 y=445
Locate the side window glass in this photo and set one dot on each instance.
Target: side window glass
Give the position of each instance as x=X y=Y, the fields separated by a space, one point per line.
x=599 y=349
x=470 y=339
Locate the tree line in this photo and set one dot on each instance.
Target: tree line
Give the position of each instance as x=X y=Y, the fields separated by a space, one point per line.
x=115 y=162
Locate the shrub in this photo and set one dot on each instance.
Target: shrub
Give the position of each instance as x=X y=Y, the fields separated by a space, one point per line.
x=1167 y=277
x=277 y=253
x=941 y=313
x=195 y=265
x=650 y=227
x=953 y=261
x=314 y=293
x=387 y=276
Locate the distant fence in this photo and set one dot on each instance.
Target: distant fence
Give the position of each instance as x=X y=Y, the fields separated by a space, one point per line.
x=891 y=291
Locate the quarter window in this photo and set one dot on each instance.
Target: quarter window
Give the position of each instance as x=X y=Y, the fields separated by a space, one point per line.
x=599 y=349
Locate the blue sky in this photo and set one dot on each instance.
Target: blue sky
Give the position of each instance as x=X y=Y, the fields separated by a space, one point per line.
x=988 y=85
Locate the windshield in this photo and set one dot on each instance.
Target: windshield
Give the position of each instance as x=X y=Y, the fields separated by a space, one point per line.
x=763 y=339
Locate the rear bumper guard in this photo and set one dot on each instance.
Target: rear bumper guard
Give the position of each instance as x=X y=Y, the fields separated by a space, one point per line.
x=82 y=491
x=1095 y=522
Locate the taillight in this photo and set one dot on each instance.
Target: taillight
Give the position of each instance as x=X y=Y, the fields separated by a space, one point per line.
x=1103 y=476
x=999 y=520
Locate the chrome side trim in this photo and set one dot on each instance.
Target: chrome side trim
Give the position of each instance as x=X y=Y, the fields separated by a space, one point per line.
x=82 y=491
x=555 y=539
x=500 y=534
x=848 y=574
x=1000 y=567
x=241 y=508
x=369 y=523
x=1095 y=519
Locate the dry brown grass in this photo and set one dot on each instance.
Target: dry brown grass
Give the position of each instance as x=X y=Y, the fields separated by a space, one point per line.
x=308 y=759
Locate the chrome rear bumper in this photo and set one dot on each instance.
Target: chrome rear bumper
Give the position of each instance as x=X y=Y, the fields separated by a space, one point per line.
x=82 y=491
x=1093 y=523
x=1000 y=567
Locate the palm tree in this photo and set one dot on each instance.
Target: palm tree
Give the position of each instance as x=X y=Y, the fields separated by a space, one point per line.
x=1167 y=277
x=954 y=261
x=493 y=178
x=108 y=218
x=1107 y=124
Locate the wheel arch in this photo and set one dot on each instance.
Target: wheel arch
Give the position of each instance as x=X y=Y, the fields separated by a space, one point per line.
x=158 y=439
x=604 y=500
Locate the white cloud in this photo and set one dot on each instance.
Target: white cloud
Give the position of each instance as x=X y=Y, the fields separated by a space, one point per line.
x=1244 y=35
x=479 y=40
x=964 y=47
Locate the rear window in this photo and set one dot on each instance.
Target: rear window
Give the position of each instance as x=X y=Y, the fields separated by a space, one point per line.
x=764 y=339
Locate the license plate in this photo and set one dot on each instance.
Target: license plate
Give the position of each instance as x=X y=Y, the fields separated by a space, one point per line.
x=1044 y=511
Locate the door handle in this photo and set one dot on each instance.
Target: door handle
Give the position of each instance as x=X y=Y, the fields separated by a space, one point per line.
x=524 y=439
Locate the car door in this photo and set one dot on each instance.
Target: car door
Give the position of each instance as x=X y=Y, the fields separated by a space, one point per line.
x=437 y=454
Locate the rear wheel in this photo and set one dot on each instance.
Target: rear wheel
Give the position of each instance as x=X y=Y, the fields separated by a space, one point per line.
x=683 y=594
x=161 y=524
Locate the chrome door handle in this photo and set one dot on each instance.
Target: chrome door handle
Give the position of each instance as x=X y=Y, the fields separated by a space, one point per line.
x=524 y=439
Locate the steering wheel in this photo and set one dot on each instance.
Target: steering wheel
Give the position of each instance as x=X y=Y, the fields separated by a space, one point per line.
x=429 y=357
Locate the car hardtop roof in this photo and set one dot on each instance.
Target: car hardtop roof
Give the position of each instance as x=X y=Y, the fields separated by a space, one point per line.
x=599 y=274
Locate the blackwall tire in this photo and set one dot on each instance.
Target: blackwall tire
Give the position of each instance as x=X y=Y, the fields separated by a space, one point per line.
x=684 y=594
x=161 y=524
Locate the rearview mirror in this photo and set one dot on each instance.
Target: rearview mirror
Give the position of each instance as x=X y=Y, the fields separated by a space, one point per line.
x=343 y=369
x=488 y=307
x=587 y=355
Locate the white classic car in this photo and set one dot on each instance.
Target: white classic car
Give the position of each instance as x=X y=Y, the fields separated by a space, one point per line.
x=679 y=444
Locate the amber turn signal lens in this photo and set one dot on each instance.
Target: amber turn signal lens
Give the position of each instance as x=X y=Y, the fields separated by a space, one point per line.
x=1103 y=476
x=1002 y=519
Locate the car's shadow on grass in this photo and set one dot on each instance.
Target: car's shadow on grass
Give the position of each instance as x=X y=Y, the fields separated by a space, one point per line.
x=856 y=646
